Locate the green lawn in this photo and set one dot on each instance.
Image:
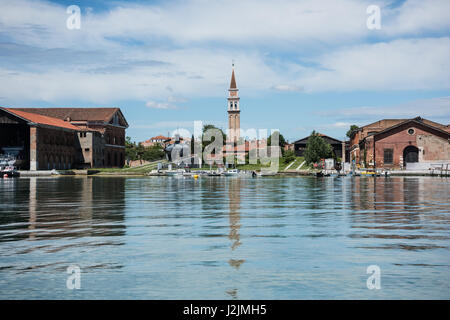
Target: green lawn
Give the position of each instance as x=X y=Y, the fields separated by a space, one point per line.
x=281 y=166
x=138 y=170
x=250 y=167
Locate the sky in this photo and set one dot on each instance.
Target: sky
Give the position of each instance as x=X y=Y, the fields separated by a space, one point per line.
x=300 y=65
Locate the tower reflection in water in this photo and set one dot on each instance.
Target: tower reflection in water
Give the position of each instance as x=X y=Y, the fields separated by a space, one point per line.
x=234 y=186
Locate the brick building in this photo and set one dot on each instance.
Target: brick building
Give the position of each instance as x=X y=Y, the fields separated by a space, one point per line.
x=63 y=138
x=397 y=143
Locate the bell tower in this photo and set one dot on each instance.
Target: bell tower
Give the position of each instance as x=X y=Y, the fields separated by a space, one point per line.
x=234 y=121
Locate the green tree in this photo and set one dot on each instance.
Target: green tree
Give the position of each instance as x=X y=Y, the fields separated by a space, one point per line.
x=317 y=148
x=288 y=156
x=130 y=149
x=281 y=141
x=153 y=153
x=192 y=145
x=352 y=127
x=211 y=126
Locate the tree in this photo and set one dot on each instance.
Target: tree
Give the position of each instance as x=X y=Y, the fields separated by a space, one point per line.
x=317 y=148
x=192 y=145
x=207 y=127
x=134 y=151
x=130 y=149
x=352 y=127
x=288 y=156
x=281 y=141
x=155 y=152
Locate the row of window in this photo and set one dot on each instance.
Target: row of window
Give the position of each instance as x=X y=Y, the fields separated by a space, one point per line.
x=115 y=140
x=235 y=104
x=109 y=139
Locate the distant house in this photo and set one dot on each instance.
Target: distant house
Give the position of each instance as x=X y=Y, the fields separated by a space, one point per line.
x=161 y=140
x=336 y=145
x=289 y=146
x=397 y=143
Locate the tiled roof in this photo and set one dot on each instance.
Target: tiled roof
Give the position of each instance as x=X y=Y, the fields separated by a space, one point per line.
x=305 y=139
x=233 y=81
x=427 y=123
x=40 y=119
x=75 y=114
x=160 y=138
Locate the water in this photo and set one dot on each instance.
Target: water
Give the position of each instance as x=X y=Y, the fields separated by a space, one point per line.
x=225 y=238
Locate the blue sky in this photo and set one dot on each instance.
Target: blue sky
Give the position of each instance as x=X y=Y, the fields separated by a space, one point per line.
x=300 y=65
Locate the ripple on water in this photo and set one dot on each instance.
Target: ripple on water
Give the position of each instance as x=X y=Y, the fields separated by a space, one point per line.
x=274 y=238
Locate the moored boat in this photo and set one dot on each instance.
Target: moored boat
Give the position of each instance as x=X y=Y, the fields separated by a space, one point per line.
x=231 y=172
x=8 y=172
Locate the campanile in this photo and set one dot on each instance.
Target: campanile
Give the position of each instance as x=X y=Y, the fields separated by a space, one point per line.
x=234 y=121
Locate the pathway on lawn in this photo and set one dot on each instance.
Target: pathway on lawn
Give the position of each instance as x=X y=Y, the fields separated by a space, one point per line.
x=301 y=165
x=290 y=164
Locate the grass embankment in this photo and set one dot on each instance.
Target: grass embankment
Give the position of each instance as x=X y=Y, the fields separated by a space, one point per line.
x=129 y=171
x=144 y=169
x=282 y=165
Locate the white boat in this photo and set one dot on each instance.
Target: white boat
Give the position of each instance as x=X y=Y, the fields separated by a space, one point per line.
x=231 y=172
x=265 y=173
x=172 y=173
x=9 y=172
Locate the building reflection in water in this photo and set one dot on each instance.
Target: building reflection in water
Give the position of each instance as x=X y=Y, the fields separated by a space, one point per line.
x=396 y=208
x=52 y=208
x=32 y=209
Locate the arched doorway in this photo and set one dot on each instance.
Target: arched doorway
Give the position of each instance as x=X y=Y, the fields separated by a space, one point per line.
x=411 y=154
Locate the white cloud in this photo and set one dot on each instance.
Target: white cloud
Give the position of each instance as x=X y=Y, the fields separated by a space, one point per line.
x=286 y=23
x=159 y=105
x=434 y=108
x=410 y=64
x=417 y=17
x=175 y=99
x=140 y=51
x=289 y=88
x=190 y=21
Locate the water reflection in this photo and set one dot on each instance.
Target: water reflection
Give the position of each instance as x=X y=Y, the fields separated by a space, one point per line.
x=234 y=199
x=234 y=215
x=61 y=208
x=397 y=208
x=215 y=238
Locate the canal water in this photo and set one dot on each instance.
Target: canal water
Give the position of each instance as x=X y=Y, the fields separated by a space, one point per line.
x=225 y=238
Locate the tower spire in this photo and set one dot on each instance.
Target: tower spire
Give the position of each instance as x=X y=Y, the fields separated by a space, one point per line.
x=233 y=79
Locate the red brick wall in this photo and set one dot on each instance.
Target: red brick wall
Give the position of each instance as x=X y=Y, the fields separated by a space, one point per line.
x=55 y=148
x=398 y=139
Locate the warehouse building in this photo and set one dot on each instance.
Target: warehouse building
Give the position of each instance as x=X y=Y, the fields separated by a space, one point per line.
x=63 y=138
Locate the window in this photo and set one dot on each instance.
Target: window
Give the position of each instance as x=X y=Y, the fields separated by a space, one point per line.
x=86 y=149
x=388 y=156
x=411 y=131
